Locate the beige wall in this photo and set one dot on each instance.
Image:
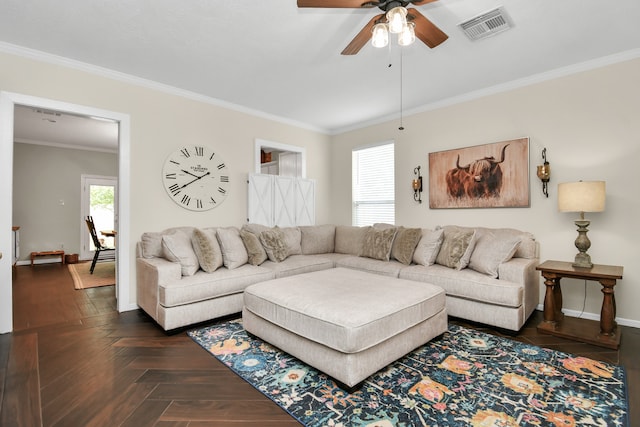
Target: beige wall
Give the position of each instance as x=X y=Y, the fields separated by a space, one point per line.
x=162 y=122
x=42 y=177
x=589 y=124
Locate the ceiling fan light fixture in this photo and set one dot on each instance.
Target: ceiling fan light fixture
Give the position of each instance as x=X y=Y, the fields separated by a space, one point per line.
x=397 y=18
x=380 y=37
x=408 y=34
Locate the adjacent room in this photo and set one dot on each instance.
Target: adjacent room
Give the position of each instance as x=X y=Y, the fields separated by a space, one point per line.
x=319 y=213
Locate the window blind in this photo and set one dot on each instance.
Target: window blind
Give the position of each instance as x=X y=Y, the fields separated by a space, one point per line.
x=373 y=186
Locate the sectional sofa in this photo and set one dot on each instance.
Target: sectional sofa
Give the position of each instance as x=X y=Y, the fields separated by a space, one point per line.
x=187 y=275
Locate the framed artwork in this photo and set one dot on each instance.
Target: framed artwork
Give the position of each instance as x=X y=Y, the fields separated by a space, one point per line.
x=483 y=176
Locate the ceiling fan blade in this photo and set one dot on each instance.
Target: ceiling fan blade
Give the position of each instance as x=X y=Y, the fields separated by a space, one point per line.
x=421 y=2
x=361 y=38
x=335 y=3
x=426 y=30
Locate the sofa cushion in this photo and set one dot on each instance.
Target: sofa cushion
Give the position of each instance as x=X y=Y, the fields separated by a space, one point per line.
x=152 y=245
x=234 y=254
x=274 y=244
x=468 y=284
x=317 y=239
x=456 y=248
x=298 y=264
x=204 y=286
x=177 y=247
x=314 y=306
x=377 y=243
x=207 y=249
x=349 y=239
x=255 y=251
x=491 y=251
x=385 y=268
x=405 y=244
x=428 y=246
x=292 y=237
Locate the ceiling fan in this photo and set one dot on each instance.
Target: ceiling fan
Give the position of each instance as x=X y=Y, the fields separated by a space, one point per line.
x=424 y=29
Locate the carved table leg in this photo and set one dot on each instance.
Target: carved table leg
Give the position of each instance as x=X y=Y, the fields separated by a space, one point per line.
x=553 y=295
x=607 y=315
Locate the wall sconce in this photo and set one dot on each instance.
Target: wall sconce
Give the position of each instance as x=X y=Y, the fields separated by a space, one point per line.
x=416 y=184
x=544 y=173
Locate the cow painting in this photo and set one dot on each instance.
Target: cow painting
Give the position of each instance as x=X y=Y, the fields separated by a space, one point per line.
x=481 y=178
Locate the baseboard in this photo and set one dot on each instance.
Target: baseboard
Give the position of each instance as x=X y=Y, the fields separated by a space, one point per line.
x=595 y=316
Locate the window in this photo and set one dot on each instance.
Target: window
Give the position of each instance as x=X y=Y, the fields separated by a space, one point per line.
x=373 y=185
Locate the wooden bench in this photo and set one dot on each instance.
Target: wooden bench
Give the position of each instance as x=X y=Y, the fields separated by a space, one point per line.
x=59 y=253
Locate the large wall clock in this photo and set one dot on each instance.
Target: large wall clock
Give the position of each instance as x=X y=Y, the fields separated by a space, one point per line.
x=196 y=177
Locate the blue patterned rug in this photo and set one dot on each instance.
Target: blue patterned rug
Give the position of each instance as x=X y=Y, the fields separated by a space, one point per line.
x=464 y=378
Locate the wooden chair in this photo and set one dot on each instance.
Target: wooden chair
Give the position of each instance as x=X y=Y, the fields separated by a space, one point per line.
x=96 y=242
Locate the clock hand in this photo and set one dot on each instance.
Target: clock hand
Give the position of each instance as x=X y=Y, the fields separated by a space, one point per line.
x=189 y=173
x=197 y=178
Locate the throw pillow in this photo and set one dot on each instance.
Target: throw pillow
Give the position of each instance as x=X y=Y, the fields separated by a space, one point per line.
x=177 y=248
x=151 y=245
x=377 y=243
x=207 y=249
x=234 y=254
x=349 y=239
x=405 y=244
x=453 y=248
x=255 y=250
x=491 y=251
x=428 y=247
x=317 y=239
x=273 y=242
x=292 y=237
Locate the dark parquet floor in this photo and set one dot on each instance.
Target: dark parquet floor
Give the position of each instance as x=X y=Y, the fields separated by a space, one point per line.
x=72 y=360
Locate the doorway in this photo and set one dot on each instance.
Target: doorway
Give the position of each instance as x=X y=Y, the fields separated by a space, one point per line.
x=99 y=200
x=8 y=102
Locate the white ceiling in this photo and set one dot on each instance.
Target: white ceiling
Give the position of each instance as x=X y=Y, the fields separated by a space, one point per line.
x=271 y=57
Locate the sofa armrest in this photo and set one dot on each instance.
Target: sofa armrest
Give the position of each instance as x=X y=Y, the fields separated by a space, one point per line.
x=523 y=270
x=150 y=274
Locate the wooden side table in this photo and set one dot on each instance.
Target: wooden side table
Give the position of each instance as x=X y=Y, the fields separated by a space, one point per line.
x=603 y=333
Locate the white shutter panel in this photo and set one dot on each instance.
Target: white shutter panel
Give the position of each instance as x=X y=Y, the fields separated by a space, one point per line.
x=260 y=200
x=284 y=201
x=305 y=202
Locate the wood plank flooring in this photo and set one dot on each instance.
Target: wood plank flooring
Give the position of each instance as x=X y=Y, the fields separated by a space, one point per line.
x=72 y=360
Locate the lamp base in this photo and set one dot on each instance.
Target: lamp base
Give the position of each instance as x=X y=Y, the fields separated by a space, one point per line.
x=583 y=259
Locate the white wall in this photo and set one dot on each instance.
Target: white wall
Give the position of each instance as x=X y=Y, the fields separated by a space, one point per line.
x=161 y=122
x=589 y=124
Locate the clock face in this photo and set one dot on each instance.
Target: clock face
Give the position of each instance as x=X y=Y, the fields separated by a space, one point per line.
x=196 y=177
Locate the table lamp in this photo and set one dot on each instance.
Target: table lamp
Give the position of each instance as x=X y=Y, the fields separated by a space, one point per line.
x=582 y=196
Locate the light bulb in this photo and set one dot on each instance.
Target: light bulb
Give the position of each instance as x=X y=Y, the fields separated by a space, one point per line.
x=397 y=18
x=380 y=37
x=408 y=34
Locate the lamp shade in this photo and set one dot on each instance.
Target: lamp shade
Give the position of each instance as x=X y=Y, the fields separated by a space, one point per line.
x=582 y=196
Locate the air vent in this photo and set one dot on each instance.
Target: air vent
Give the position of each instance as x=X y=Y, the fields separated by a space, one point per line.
x=486 y=24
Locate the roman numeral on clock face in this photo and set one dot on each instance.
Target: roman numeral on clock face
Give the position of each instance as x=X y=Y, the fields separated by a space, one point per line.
x=199 y=151
x=222 y=190
x=185 y=200
x=198 y=203
x=170 y=176
x=185 y=153
x=221 y=166
x=224 y=178
x=175 y=189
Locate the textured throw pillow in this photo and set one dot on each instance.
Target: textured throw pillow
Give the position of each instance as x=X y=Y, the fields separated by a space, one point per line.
x=453 y=248
x=377 y=243
x=428 y=247
x=234 y=254
x=207 y=249
x=255 y=251
x=317 y=239
x=273 y=242
x=292 y=237
x=405 y=243
x=491 y=251
x=177 y=247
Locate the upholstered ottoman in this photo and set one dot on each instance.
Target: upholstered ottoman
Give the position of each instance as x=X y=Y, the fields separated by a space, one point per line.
x=346 y=323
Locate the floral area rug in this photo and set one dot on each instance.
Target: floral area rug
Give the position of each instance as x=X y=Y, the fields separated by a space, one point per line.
x=466 y=377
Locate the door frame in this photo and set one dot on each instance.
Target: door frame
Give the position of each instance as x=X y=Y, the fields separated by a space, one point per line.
x=8 y=100
x=86 y=182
